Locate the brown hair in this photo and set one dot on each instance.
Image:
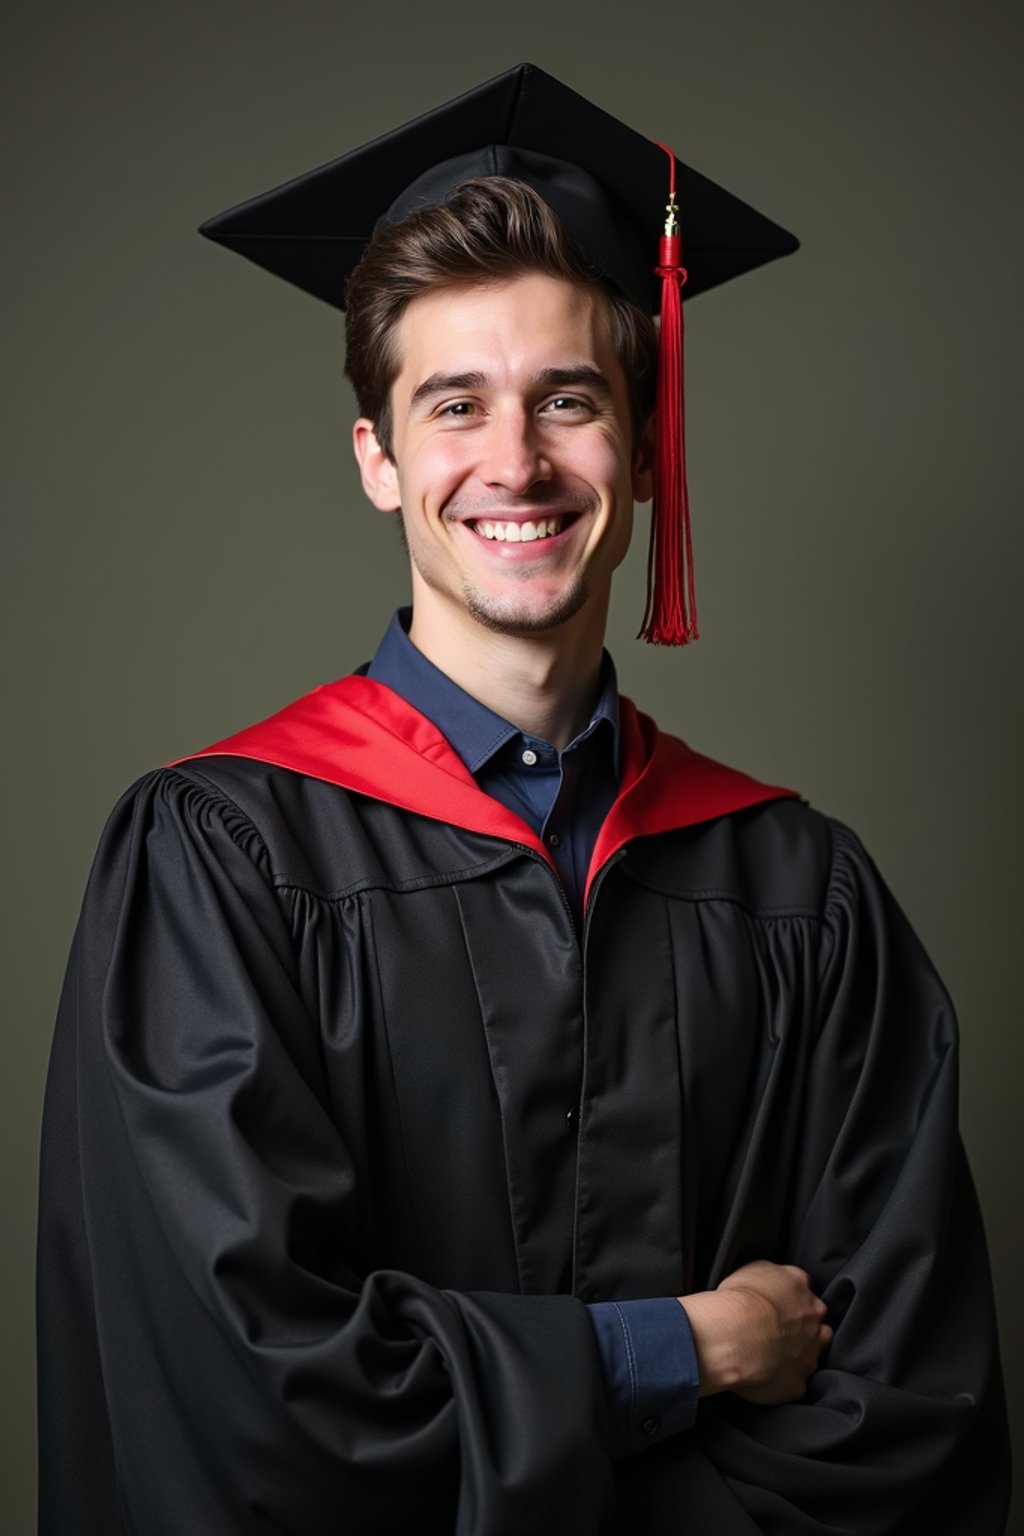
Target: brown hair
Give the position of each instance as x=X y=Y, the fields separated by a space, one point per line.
x=492 y=228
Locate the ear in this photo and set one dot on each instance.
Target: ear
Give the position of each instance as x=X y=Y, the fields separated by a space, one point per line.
x=378 y=473
x=643 y=463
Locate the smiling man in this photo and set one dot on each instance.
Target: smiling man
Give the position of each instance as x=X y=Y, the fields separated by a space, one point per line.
x=515 y=464
x=471 y=1110
x=516 y=476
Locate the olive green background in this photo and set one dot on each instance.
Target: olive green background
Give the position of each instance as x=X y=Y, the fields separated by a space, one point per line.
x=186 y=547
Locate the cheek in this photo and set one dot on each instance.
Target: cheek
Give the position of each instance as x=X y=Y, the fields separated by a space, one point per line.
x=605 y=461
x=439 y=467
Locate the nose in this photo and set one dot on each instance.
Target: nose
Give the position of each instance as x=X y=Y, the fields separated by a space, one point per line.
x=513 y=457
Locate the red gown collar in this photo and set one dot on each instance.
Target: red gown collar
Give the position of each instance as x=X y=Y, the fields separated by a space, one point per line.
x=361 y=735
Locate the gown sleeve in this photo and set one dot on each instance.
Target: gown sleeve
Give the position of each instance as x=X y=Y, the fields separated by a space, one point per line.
x=903 y=1427
x=210 y=1361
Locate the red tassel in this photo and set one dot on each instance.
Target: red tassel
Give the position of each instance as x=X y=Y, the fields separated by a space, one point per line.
x=671 y=614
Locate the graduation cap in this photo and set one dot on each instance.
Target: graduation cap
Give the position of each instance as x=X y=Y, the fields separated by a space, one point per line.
x=636 y=211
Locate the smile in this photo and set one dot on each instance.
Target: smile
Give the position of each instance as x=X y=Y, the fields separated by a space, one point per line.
x=524 y=533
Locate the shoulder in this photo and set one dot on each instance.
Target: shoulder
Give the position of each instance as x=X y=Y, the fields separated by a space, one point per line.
x=305 y=833
x=779 y=857
x=252 y=785
x=728 y=834
x=171 y=814
x=295 y=830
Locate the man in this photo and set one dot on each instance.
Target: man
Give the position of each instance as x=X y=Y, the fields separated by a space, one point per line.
x=455 y=1076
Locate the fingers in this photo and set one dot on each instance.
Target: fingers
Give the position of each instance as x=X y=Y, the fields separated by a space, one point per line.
x=763 y=1273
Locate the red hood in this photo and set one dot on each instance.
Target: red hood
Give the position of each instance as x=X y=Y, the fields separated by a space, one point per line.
x=361 y=735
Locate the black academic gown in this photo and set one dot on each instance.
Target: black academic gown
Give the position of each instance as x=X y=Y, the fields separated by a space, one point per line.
x=343 y=1126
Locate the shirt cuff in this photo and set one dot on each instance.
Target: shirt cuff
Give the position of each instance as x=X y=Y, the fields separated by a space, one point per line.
x=650 y=1370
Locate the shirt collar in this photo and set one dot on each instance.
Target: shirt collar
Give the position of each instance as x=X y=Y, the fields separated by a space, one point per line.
x=475 y=731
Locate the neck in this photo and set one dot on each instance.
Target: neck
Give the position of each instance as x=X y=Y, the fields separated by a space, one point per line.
x=543 y=684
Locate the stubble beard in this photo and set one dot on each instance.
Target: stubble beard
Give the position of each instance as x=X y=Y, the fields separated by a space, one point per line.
x=504 y=616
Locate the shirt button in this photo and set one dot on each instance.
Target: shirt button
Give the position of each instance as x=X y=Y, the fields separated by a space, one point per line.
x=570 y=1117
x=650 y=1426
x=529 y=757
x=554 y=840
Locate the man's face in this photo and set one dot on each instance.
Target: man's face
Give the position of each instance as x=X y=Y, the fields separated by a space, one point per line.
x=514 y=466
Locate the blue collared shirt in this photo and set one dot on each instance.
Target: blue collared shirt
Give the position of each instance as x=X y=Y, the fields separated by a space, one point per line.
x=564 y=796
x=646 y=1347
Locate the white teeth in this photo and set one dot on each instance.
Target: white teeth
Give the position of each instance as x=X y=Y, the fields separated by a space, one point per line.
x=519 y=533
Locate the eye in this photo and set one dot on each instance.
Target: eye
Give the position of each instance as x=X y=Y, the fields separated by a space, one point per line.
x=566 y=405
x=459 y=409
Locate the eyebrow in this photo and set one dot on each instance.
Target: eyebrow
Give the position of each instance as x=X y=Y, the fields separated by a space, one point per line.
x=548 y=378
x=443 y=383
x=568 y=378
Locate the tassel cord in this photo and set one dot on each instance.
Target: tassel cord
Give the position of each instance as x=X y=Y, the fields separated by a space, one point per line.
x=671 y=613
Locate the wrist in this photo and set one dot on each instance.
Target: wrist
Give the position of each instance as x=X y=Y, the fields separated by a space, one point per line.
x=717 y=1320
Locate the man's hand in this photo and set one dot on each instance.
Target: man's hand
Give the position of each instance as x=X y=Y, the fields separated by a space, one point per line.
x=759 y=1334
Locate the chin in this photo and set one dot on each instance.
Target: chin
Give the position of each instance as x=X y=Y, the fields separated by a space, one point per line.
x=508 y=615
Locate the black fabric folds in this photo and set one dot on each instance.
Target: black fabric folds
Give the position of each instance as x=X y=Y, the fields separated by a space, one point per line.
x=343 y=1129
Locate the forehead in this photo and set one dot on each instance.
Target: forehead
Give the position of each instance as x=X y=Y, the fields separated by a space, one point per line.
x=516 y=321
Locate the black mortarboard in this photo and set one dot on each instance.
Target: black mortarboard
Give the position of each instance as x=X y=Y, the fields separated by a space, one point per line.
x=608 y=185
x=313 y=230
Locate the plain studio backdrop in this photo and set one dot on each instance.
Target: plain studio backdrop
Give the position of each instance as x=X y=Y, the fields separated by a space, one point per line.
x=186 y=547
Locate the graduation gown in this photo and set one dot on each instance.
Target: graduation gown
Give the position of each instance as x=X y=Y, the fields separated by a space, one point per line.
x=344 y=1124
